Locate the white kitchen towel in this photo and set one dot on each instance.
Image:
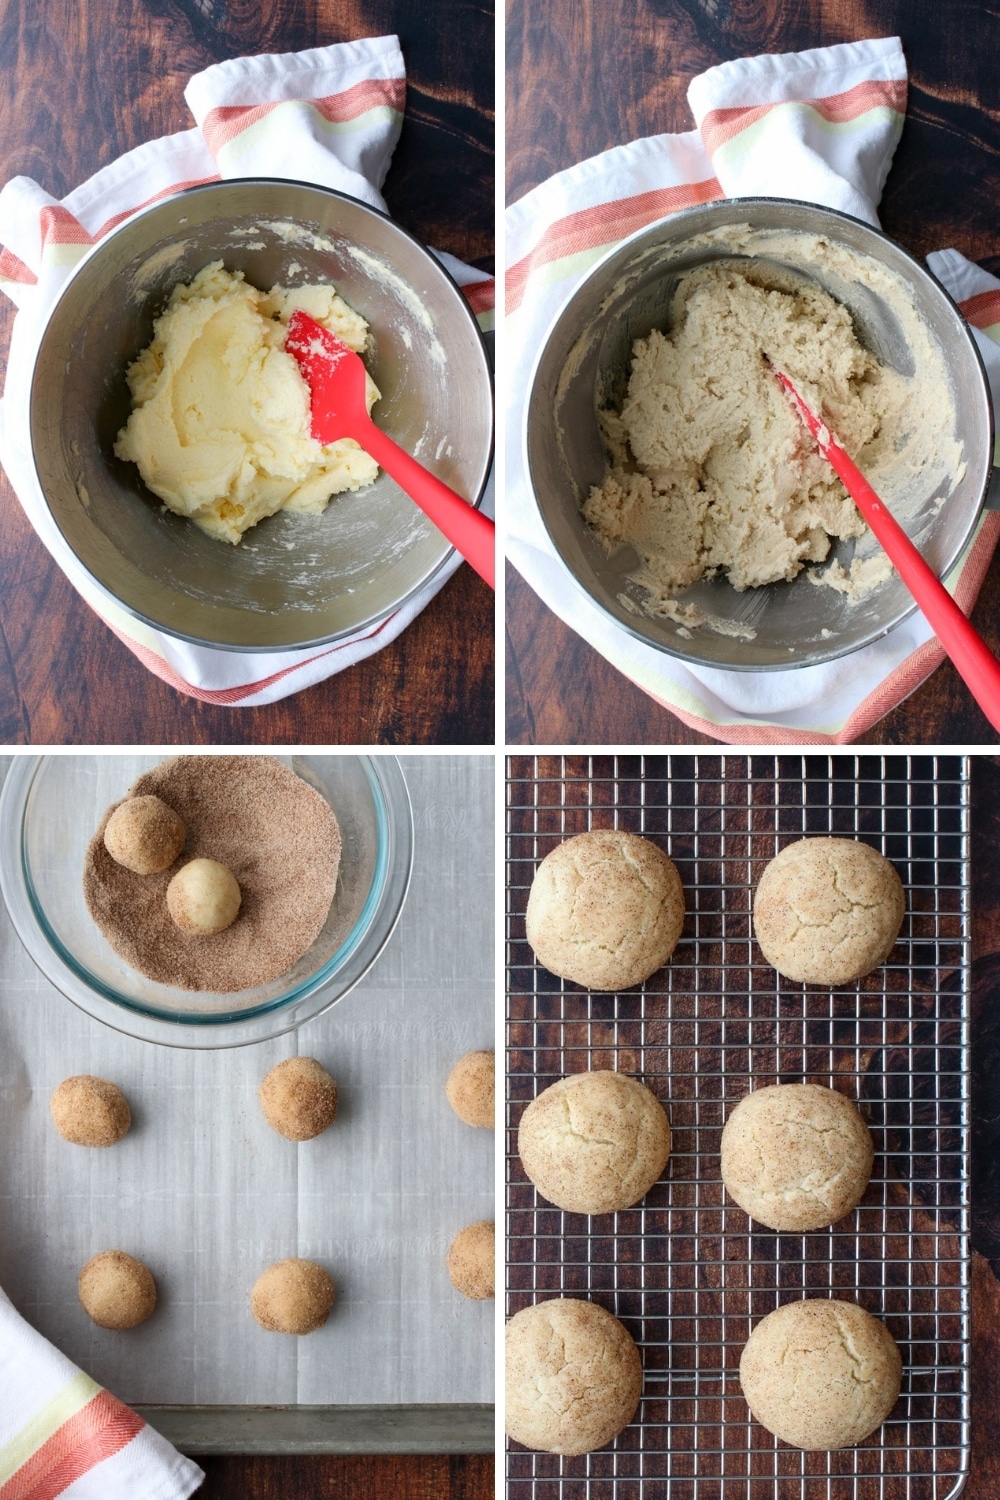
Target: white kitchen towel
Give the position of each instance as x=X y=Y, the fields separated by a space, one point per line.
x=61 y=1434
x=331 y=116
x=819 y=125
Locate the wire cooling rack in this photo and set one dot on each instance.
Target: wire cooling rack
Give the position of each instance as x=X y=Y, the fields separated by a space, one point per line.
x=684 y=1270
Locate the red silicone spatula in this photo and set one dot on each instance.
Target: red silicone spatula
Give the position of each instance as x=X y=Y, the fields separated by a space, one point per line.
x=335 y=376
x=972 y=658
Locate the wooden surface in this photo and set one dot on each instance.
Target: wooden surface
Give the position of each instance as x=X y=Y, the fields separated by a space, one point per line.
x=372 y=1478
x=984 y=1480
x=64 y=678
x=566 y=101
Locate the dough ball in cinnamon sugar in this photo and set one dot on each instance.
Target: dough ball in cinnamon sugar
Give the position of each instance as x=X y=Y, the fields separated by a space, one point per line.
x=144 y=835
x=299 y=1098
x=116 y=1290
x=90 y=1111
x=293 y=1296
x=471 y=1260
x=471 y=1089
x=203 y=898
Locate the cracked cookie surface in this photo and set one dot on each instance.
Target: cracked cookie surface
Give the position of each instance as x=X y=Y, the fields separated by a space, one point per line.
x=605 y=909
x=573 y=1376
x=828 y=911
x=796 y=1156
x=820 y=1373
x=594 y=1142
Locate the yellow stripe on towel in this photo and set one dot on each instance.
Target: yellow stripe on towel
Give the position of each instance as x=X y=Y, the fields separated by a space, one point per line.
x=63 y=1405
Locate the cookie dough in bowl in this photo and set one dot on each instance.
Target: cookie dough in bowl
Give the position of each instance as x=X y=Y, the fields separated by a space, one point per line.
x=821 y=1373
x=711 y=469
x=573 y=1376
x=298 y=579
x=594 y=1142
x=220 y=424
x=828 y=911
x=863 y=323
x=796 y=1156
x=605 y=909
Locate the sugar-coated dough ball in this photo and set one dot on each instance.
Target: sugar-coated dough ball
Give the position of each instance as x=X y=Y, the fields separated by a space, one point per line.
x=471 y=1089
x=471 y=1260
x=293 y=1296
x=594 y=1142
x=605 y=909
x=299 y=1098
x=573 y=1376
x=90 y=1111
x=820 y=1373
x=203 y=898
x=796 y=1156
x=828 y=911
x=116 y=1290
x=144 y=835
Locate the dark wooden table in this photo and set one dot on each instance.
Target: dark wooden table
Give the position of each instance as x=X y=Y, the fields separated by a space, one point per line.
x=371 y=1478
x=77 y=88
x=984 y=1480
x=583 y=76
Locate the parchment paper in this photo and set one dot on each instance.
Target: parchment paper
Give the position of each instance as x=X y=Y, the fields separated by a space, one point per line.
x=207 y=1195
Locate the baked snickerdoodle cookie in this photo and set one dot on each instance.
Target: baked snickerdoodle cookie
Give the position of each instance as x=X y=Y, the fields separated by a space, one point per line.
x=828 y=911
x=605 y=909
x=820 y=1373
x=796 y=1156
x=574 y=1376
x=594 y=1142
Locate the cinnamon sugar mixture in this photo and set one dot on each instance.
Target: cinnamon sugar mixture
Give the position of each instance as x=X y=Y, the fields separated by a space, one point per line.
x=279 y=837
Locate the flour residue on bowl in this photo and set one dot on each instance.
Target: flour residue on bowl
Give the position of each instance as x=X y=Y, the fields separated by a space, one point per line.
x=379 y=271
x=278 y=836
x=710 y=471
x=153 y=268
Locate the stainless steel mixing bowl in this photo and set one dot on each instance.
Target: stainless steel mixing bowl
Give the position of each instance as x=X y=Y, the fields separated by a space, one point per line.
x=294 y=580
x=584 y=364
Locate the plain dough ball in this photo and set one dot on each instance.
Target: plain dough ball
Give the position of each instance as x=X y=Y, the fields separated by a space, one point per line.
x=471 y=1089
x=293 y=1296
x=796 y=1156
x=574 y=1376
x=471 y=1262
x=821 y=1373
x=90 y=1111
x=828 y=911
x=116 y=1290
x=144 y=835
x=605 y=909
x=203 y=898
x=299 y=1098
x=594 y=1142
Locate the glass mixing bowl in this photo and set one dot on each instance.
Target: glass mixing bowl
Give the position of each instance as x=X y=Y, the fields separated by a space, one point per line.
x=50 y=806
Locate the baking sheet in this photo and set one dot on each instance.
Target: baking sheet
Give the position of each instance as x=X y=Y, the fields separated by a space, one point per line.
x=207 y=1195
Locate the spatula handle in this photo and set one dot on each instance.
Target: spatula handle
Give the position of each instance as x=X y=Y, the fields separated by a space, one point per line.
x=972 y=658
x=469 y=531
